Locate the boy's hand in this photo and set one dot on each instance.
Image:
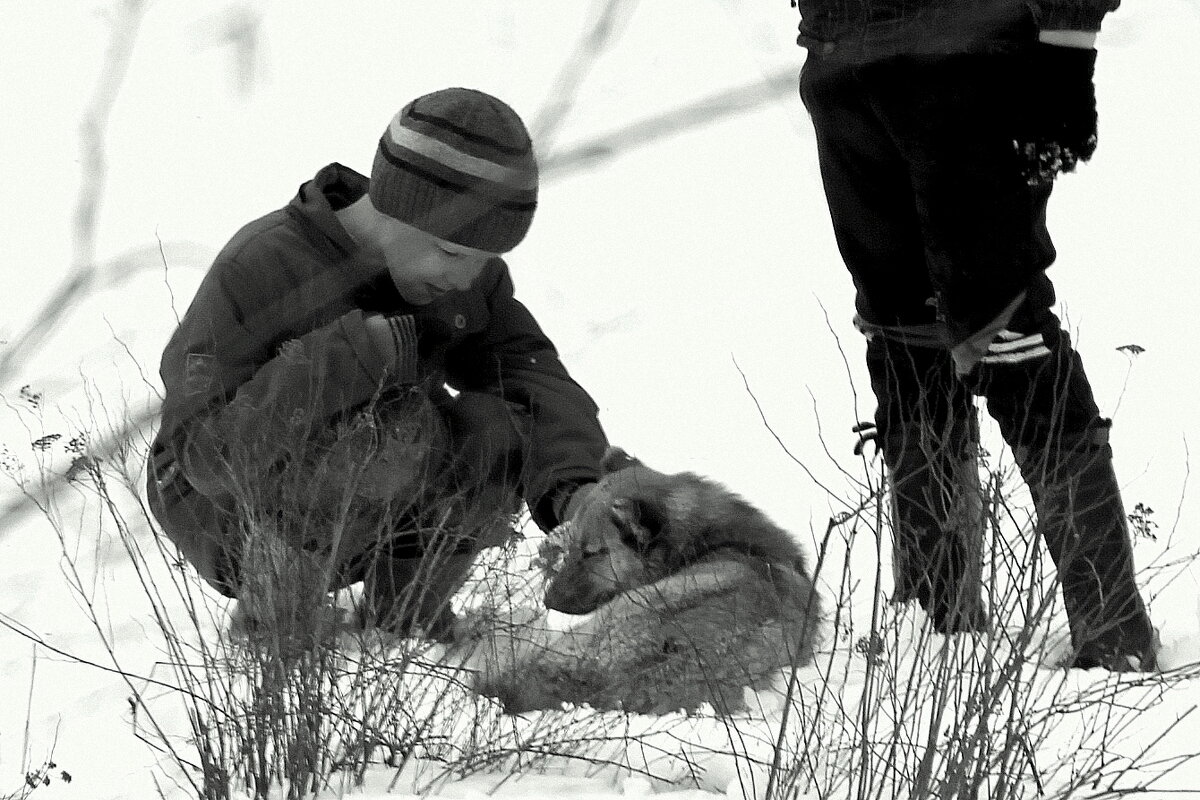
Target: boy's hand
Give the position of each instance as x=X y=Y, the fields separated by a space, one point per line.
x=406 y=340
x=1056 y=108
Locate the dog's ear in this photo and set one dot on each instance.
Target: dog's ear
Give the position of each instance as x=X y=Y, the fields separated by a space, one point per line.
x=640 y=521
x=616 y=459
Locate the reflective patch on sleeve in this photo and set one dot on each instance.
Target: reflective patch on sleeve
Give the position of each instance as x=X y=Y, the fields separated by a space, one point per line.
x=1015 y=348
x=976 y=348
x=197 y=373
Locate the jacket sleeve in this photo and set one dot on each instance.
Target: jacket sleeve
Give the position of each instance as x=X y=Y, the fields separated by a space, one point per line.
x=1073 y=15
x=514 y=358
x=244 y=389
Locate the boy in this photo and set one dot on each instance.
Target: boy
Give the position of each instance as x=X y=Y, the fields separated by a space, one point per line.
x=306 y=393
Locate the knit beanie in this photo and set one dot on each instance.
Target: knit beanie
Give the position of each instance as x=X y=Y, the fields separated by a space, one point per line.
x=458 y=163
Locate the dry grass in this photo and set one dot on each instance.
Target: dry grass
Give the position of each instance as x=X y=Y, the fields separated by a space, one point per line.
x=310 y=701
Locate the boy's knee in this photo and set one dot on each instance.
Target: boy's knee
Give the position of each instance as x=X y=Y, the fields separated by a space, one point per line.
x=199 y=528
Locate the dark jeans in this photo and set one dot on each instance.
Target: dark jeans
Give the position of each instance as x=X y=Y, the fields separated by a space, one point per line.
x=941 y=232
x=396 y=479
x=924 y=188
x=937 y=226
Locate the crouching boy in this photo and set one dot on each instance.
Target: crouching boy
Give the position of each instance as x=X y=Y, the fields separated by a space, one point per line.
x=356 y=384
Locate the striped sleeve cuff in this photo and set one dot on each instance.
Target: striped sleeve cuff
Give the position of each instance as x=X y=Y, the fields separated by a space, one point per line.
x=403 y=329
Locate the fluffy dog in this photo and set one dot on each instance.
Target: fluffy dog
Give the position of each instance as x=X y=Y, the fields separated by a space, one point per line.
x=692 y=595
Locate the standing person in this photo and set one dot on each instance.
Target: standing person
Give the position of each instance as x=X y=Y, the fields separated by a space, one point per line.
x=306 y=387
x=941 y=127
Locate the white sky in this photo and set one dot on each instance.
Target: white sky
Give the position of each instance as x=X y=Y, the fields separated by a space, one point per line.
x=653 y=270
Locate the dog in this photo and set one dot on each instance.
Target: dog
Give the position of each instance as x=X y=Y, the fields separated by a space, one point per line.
x=691 y=595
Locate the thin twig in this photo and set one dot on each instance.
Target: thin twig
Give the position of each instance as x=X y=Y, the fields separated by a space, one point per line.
x=93 y=170
x=656 y=127
x=564 y=91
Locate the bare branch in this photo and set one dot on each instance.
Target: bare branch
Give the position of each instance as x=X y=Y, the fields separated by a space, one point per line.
x=712 y=108
x=93 y=170
x=565 y=90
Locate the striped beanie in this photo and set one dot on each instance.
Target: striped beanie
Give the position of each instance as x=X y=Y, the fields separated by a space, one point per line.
x=458 y=163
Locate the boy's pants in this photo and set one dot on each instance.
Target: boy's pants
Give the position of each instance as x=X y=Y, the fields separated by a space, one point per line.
x=941 y=233
x=413 y=474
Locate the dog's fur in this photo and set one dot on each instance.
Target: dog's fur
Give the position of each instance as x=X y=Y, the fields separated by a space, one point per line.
x=693 y=595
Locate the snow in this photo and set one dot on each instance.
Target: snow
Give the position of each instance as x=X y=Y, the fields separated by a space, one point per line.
x=691 y=282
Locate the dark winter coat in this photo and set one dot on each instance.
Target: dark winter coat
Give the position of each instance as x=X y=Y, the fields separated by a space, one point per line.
x=871 y=29
x=297 y=273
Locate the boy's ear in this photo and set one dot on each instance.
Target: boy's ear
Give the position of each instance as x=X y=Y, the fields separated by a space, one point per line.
x=615 y=459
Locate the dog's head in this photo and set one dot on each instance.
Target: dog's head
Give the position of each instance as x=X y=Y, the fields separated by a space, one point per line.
x=614 y=540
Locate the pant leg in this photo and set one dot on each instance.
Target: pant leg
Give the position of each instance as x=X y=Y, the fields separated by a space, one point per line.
x=371 y=478
x=479 y=469
x=982 y=225
x=412 y=582
x=342 y=491
x=988 y=248
x=203 y=528
x=925 y=418
x=1042 y=400
x=869 y=195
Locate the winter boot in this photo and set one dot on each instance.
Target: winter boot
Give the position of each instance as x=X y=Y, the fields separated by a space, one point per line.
x=411 y=596
x=470 y=507
x=1082 y=520
x=412 y=578
x=937 y=523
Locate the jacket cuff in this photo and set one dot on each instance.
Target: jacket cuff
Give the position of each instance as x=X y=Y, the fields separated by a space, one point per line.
x=1084 y=40
x=385 y=347
x=548 y=511
x=553 y=509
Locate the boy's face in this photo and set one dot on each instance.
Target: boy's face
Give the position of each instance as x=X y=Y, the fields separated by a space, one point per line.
x=423 y=267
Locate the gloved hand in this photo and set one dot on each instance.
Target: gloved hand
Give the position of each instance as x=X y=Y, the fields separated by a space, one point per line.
x=406 y=340
x=1056 y=108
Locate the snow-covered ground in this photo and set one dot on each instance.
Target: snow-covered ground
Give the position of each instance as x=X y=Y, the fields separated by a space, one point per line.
x=685 y=277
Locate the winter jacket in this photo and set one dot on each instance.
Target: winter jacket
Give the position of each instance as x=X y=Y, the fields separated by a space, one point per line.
x=864 y=30
x=292 y=288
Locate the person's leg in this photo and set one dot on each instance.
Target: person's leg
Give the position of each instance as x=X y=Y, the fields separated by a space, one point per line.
x=925 y=420
x=348 y=495
x=988 y=248
x=869 y=196
x=204 y=529
x=1047 y=414
x=276 y=584
x=928 y=433
x=410 y=584
x=982 y=225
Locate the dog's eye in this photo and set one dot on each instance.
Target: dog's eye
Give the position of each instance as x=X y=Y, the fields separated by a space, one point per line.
x=623 y=514
x=594 y=552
